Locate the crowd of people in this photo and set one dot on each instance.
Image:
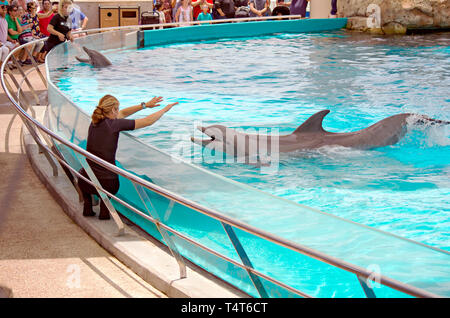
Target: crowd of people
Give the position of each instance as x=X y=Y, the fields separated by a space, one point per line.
x=183 y=11
x=23 y=21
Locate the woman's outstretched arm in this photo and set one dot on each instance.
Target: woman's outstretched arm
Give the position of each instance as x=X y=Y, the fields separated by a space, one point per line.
x=151 y=119
x=154 y=102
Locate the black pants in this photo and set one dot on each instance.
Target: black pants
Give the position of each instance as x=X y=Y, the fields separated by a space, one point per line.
x=110 y=185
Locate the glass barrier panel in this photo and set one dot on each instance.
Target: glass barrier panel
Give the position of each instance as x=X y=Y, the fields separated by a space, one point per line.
x=359 y=245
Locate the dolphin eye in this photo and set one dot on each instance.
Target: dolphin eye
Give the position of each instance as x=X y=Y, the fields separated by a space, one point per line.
x=213 y=137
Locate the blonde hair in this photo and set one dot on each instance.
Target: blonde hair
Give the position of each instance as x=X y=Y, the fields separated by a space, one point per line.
x=106 y=104
x=61 y=4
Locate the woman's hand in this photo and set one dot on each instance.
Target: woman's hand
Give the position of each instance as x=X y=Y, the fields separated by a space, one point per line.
x=61 y=37
x=154 y=102
x=169 y=106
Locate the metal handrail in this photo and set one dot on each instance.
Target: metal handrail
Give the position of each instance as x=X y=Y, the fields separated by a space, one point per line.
x=357 y=270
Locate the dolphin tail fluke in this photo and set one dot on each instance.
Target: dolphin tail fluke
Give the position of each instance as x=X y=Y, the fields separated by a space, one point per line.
x=82 y=60
x=313 y=123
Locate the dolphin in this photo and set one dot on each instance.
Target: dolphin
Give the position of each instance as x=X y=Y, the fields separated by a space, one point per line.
x=311 y=135
x=96 y=59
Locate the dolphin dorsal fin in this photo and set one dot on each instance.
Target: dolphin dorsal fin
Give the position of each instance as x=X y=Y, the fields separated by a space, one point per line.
x=313 y=123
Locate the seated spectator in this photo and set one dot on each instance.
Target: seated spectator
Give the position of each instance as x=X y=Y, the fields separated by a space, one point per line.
x=204 y=15
x=197 y=5
x=15 y=29
x=32 y=19
x=259 y=8
x=6 y=43
x=224 y=9
x=79 y=20
x=45 y=15
x=184 y=13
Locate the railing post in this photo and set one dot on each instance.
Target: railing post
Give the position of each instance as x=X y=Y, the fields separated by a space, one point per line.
x=169 y=242
x=245 y=259
x=367 y=290
x=36 y=66
x=19 y=67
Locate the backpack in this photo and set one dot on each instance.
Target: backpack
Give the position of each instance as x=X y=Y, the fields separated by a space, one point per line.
x=242 y=12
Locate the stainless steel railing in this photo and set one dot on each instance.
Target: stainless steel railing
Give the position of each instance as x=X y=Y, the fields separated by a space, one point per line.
x=36 y=129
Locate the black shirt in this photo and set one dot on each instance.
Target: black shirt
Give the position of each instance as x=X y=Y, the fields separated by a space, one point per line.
x=60 y=24
x=227 y=7
x=102 y=141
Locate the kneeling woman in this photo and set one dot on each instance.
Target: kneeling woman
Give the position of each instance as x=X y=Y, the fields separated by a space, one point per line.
x=103 y=136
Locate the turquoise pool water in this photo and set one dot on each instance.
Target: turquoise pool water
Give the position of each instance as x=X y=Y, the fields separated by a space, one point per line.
x=276 y=83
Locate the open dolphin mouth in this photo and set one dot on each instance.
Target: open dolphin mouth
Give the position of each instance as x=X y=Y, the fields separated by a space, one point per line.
x=203 y=141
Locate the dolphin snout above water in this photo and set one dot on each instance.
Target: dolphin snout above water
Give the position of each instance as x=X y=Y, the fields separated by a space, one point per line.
x=311 y=135
x=96 y=59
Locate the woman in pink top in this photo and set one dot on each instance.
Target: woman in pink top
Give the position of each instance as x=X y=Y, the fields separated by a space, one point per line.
x=45 y=15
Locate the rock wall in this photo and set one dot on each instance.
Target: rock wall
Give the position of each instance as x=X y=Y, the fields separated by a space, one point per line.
x=395 y=16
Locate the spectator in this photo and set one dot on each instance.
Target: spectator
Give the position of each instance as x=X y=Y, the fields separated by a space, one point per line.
x=60 y=27
x=184 y=13
x=166 y=9
x=175 y=5
x=259 y=8
x=204 y=15
x=79 y=20
x=15 y=29
x=298 y=7
x=224 y=9
x=5 y=44
x=159 y=10
x=197 y=5
x=282 y=8
x=103 y=136
x=45 y=15
x=32 y=19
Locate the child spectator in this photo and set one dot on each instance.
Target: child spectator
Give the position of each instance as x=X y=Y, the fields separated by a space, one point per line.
x=204 y=15
x=198 y=4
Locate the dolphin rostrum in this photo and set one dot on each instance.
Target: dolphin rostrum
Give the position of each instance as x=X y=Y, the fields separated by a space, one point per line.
x=311 y=135
x=96 y=59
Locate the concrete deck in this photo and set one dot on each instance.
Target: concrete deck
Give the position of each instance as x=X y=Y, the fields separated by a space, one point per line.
x=47 y=249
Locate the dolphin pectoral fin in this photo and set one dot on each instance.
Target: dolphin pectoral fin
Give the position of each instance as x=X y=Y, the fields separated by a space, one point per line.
x=82 y=60
x=313 y=123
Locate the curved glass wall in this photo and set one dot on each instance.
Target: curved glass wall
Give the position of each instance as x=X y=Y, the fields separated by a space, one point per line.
x=402 y=260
